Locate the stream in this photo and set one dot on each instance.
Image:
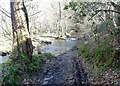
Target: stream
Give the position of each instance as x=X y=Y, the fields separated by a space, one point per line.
x=59 y=47
x=64 y=69
x=56 y=48
x=3 y=59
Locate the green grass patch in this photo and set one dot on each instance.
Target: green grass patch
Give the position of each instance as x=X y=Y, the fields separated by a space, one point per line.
x=84 y=50
x=15 y=71
x=44 y=55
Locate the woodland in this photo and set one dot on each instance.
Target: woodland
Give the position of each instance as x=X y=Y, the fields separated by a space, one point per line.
x=60 y=42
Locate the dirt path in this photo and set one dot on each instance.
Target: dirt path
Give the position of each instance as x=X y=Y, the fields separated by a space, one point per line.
x=62 y=70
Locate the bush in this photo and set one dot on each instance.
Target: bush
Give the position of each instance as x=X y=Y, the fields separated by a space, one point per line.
x=15 y=71
x=10 y=73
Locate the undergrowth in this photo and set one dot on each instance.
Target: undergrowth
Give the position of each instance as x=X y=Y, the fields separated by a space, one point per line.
x=14 y=72
x=102 y=55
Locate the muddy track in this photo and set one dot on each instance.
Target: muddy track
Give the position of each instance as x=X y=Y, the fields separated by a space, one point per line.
x=63 y=70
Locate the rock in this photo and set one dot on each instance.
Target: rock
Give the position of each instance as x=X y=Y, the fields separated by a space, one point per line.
x=4 y=54
x=35 y=52
x=39 y=52
x=8 y=53
x=46 y=42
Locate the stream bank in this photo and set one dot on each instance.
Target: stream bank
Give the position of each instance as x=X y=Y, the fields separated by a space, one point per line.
x=62 y=70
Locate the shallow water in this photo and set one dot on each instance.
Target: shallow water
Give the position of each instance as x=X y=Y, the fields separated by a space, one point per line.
x=59 y=47
x=3 y=59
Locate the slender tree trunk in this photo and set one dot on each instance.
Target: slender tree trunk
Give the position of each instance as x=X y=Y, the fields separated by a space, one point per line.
x=22 y=44
x=118 y=24
x=59 y=29
x=117 y=8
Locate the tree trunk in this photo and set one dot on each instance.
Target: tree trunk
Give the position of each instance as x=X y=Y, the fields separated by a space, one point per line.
x=117 y=8
x=59 y=29
x=22 y=44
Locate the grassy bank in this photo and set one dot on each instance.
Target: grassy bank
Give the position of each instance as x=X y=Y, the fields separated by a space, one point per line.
x=14 y=72
x=101 y=60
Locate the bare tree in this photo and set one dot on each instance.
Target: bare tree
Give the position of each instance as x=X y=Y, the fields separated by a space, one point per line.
x=22 y=43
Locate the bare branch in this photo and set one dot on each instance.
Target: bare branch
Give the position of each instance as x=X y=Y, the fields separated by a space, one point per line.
x=5 y=13
x=9 y=37
x=4 y=10
x=93 y=16
x=115 y=5
x=97 y=11
x=35 y=13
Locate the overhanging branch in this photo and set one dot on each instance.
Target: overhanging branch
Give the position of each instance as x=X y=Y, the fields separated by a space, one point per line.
x=97 y=11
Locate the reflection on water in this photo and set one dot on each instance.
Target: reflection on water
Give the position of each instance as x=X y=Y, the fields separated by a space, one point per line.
x=59 y=47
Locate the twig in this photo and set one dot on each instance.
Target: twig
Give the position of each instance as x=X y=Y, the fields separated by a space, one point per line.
x=5 y=13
